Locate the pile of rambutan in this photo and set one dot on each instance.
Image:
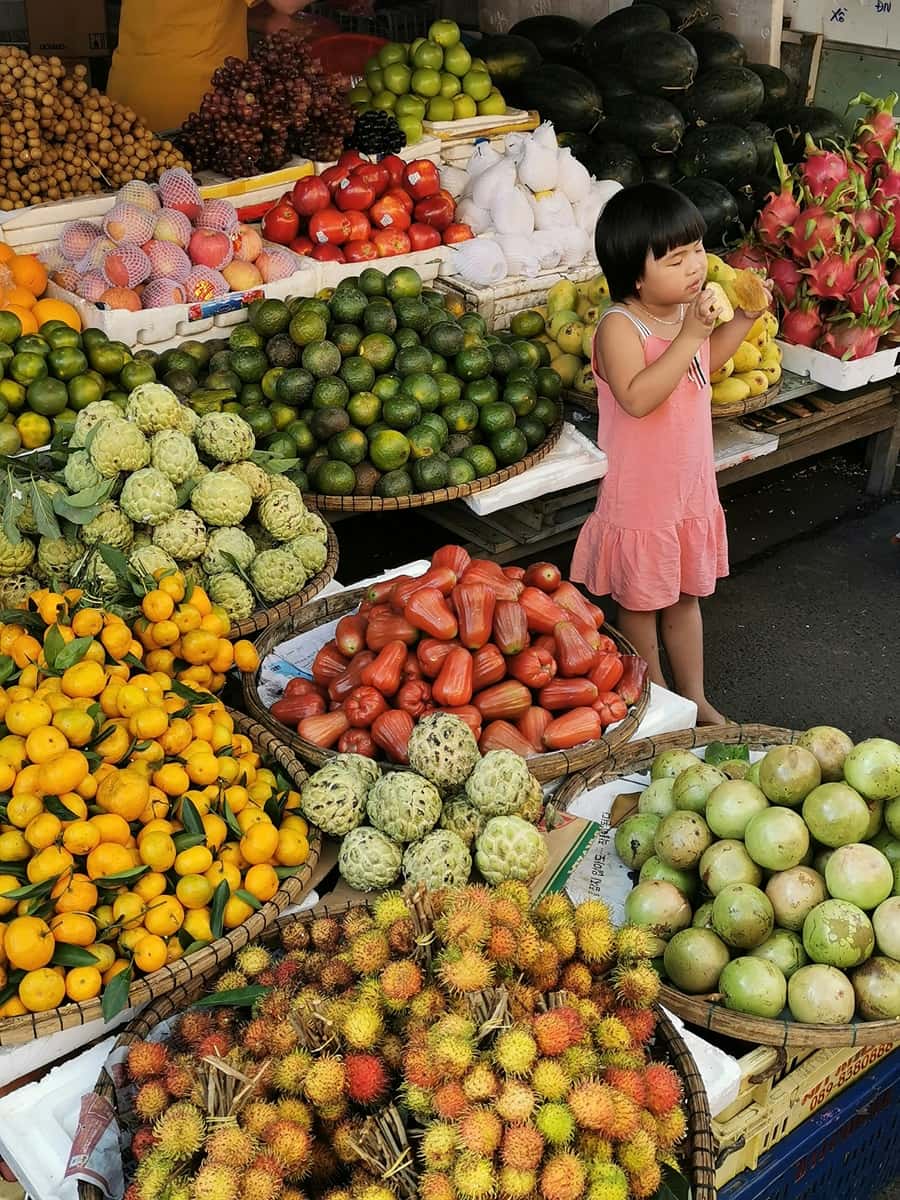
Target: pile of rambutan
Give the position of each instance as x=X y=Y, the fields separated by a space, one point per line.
x=462 y=1045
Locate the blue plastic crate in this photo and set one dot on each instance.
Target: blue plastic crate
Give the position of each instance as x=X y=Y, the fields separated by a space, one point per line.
x=848 y=1149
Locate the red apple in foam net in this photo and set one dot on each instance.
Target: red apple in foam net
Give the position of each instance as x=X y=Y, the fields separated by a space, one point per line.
x=118 y=297
x=276 y=264
x=208 y=248
x=246 y=243
x=242 y=276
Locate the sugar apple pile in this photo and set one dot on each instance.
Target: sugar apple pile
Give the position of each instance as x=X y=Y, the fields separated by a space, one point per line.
x=424 y=824
x=171 y=489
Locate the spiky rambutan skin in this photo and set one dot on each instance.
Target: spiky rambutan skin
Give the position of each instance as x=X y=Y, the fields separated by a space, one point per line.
x=554 y=908
x=259 y=1184
x=152 y=1100
x=292 y=1109
x=636 y=985
x=663 y=1088
x=275 y=1006
x=336 y=1111
x=480 y=1082
x=515 y=1051
x=325 y=933
x=480 y=1130
x=146 y=1059
x=390 y=907
x=529 y=947
x=515 y=1183
x=608 y=1182
x=429 y=1004
x=324 y=1167
x=324 y=1080
x=634 y=942
x=465 y=926
x=564 y=939
x=215 y=1044
x=286 y=973
x=554 y=1033
x=400 y=981
x=289 y=1143
x=257 y=1116
x=142 y=1142
x=449 y=1100
x=549 y=1079
x=592 y=1104
x=464 y=971
x=179 y=1079
x=314 y=964
x=474 y=1177
x=580 y=1061
x=452 y=1057
x=215 y=1181
x=545 y=967
x=153 y=1173
x=556 y=1123
x=356 y=921
x=401 y=936
x=180 y=1130
x=295 y=936
x=230 y=981
x=362 y=1027
x=264 y=1038
x=671 y=1128
x=563 y=1177
x=133 y=1192
x=376 y=1191
x=289 y=1072
x=193 y=1026
x=516 y=1101
x=588 y=1011
x=419 y=1101
x=501 y=946
x=506 y=912
x=516 y=891
x=611 y=1034
x=640 y=1023
x=253 y=959
x=625 y=1119
x=293 y=1193
x=435 y=1185
x=629 y=1082
x=597 y=944
x=522 y=1147
x=629 y=1060
x=591 y=912
x=230 y=1145
x=392 y=1049
x=418 y=1067
x=523 y=1000
x=369 y=952
x=594 y=1149
x=577 y=979
x=646 y=1183
x=344 y=1137
x=367 y=1078
x=439 y=1146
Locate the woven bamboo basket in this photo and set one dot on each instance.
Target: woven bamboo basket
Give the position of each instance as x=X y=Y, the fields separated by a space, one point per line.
x=377 y=504
x=264 y=617
x=701 y=1010
x=719 y=412
x=16 y=1031
x=698 y=1151
x=554 y=765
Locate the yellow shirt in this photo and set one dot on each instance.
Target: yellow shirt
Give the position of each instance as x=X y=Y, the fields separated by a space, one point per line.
x=167 y=52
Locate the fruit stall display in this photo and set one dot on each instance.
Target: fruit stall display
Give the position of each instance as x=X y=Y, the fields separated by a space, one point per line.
x=829 y=238
x=62 y=138
x=141 y=823
x=517 y=654
x=466 y=1042
x=772 y=886
x=23 y=284
x=360 y=210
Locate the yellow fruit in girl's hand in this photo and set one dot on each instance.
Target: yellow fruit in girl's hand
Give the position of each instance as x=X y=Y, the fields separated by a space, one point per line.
x=746 y=358
x=724 y=372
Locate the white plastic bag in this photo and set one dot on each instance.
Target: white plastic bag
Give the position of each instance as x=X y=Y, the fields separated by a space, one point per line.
x=538 y=169
x=552 y=210
x=545 y=135
x=573 y=177
x=511 y=212
x=468 y=212
x=480 y=260
x=522 y=254
x=575 y=245
x=515 y=146
x=589 y=209
x=454 y=179
x=549 y=248
x=497 y=179
x=483 y=156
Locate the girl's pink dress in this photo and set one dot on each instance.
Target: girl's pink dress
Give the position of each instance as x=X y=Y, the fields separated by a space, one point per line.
x=658 y=529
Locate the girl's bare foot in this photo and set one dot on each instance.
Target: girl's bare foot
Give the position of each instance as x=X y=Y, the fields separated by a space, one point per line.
x=707 y=715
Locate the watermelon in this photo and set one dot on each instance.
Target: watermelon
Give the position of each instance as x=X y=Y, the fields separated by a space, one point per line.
x=718 y=208
x=685 y=13
x=777 y=89
x=660 y=168
x=648 y=123
x=557 y=39
x=605 y=41
x=508 y=57
x=822 y=125
x=613 y=160
x=750 y=197
x=716 y=48
x=731 y=94
x=722 y=152
x=612 y=82
x=578 y=143
x=561 y=95
x=661 y=62
x=764 y=140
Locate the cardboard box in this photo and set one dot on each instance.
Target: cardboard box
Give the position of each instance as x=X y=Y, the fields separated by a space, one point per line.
x=68 y=28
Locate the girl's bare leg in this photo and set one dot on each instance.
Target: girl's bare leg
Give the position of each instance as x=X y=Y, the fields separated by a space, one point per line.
x=641 y=630
x=681 y=626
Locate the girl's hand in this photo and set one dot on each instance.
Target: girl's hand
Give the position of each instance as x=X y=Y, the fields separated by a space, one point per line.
x=700 y=318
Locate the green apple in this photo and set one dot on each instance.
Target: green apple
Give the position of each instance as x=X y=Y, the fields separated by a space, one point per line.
x=478 y=64
x=412 y=128
x=392 y=52
x=463 y=107
x=414 y=45
x=476 y=84
x=440 y=109
x=375 y=80
x=457 y=60
x=384 y=100
x=450 y=85
x=359 y=94
x=428 y=55
x=445 y=33
x=493 y=105
x=409 y=106
x=426 y=82
x=397 y=79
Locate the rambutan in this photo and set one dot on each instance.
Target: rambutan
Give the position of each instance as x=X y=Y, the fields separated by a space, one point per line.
x=324 y=1166
x=146 y=1059
x=439 y=1146
x=608 y=1182
x=376 y=1191
x=636 y=985
x=502 y=945
x=264 y=1038
x=215 y=1181
x=633 y=941
x=624 y=1119
x=522 y=1147
x=515 y=1051
x=293 y=1193
x=516 y=1183
x=325 y=933
x=419 y=1101
x=286 y=972
x=465 y=926
x=180 y=1130
x=564 y=939
x=580 y=1061
x=153 y=1174
x=390 y=907
x=369 y=952
x=505 y=912
x=480 y=1082
x=368 y=992
x=215 y=1045
x=563 y=1177
x=392 y=1051
x=594 y=1149
x=143 y=1142
x=549 y=1079
x=516 y=891
x=480 y=1130
x=289 y=1072
x=603 y=996
x=434 y=1185
x=474 y=1177
x=418 y=1069
x=528 y=947
x=367 y=1078
x=429 y=1003
x=295 y=936
x=464 y=971
x=453 y=1025
x=289 y=1143
x=671 y=1128
x=523 y=1000
x=556 y=1122
x=259 y=1184
x=449 y=1100
x=629 y=1060
x=592 y=1104
x=230 y=1145
x=591 y=912
x=344 y=1138
x=362 y=1027
x=257 y=1116
x=401 y=936
x=646 y=1183
x=611 y=1034
x=356 y=921
x=557 y=1030
x=275 y=1006
x=292 y=1109
x=637 y=1154
x=663 y=1088
x=453 y=1057
x=544 y=970
x=324 y=1080
x=400 y=981
x=267 y=977
x=629 y=1082
x=590 y=1014
x=152 y=1100
x=335 y=1110
x=577 y=979
x=554 y=908
x=516 y=1101
x=478 y=895
x=597 y=943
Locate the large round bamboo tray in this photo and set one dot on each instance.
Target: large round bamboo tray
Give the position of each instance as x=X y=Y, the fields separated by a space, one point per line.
x=546 y=767
x=377 y=504
x=700 y=1010
x=263 y=617
x=16 y=1031
x=719 y=412
x=698 y=1150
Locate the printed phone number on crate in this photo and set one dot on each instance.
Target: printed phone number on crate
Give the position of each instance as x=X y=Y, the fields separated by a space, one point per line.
x=847 y=1071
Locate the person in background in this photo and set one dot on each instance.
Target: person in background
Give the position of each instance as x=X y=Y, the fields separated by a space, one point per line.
x=656 y=541
x=168 y=50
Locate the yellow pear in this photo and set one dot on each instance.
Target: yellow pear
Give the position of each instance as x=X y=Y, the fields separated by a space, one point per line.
x=756 y=331
x=771 y=370
x=726 y=369
x=583 y=306
x=563 y=316
x=584 y=381
x=587 y=341
x=771 y=353
x=746 y=357
x=598 y=288
x=584 y=288
x=592 y=316
x=561 y=296
x=567 y=367
x=757 y=381
x=724 y=311
x=730 y=391
x=554 y=349
x=569 y=337
x=717 y=270
x=771 y=324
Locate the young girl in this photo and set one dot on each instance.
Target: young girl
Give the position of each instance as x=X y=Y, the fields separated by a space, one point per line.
x=656 y=540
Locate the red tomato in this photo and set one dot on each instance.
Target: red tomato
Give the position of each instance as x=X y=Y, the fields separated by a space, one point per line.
x=330 y=226
x=280 y=224
x=390 y=242
x=360 y=251
x=457 y=233
x=351 y=159
x=360 y=229
x=423 y=237
x=333 y=177
x=310 y=195
x=301 y=245
x=389 y=213
x=421 y=178
x=375 y=174
x=437 y=211
x=328 y=253
x=395 y=166
x=354 y=194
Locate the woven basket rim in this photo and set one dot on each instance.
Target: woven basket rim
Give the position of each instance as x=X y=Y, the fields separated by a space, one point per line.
x=719 y=412
x=697 y=1010
x=16 y=1031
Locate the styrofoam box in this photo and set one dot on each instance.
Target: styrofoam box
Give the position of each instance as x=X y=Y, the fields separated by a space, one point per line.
x=426 y=262
x=835 y=373
x=498 y=303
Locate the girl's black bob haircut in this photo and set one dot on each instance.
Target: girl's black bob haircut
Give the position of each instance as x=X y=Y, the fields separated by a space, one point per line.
x=647 y=217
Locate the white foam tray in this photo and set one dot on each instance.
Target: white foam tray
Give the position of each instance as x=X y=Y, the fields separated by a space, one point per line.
x=833 y=372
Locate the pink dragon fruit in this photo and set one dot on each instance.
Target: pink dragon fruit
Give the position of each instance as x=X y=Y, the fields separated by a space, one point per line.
x=823 y=171
x=832 y=277
x=749 y=257
x=780 y=211
x=815 y=230
x=786 y=276
x=865 y=292
x=848 y=339
x=802 y=326
x=886 y=192
x=875 y=135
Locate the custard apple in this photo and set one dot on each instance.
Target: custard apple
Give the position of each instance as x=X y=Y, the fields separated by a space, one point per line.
x=281 y=513
x=533 y=804
x=229 y=591
x=309 y=551
x=444 y=750
x=225 y=437
x=369 y=860
x=148 y=497
x=48 y=488
x=231 y=540
x=366 y=768
x=282 y=483
x=182 y=536
x=173 y=453
x=441 y=859
x=193 y=575
x=315 y=526
x=111 y=526
x=261 y=539
x=57 y=556
x=334 y=798
x=149 y=559
x=221 y=499
x=99 y=578
x=152 y=407
x=187 y=421
x=499 y=783
x=461 y=818
x=118 y=445
x=276 y=574
x=15 y=557
x=15 y=590
x=510 y=848
x=403 y=805
x=258 y=480
x=96 y=411
x=80 y=472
